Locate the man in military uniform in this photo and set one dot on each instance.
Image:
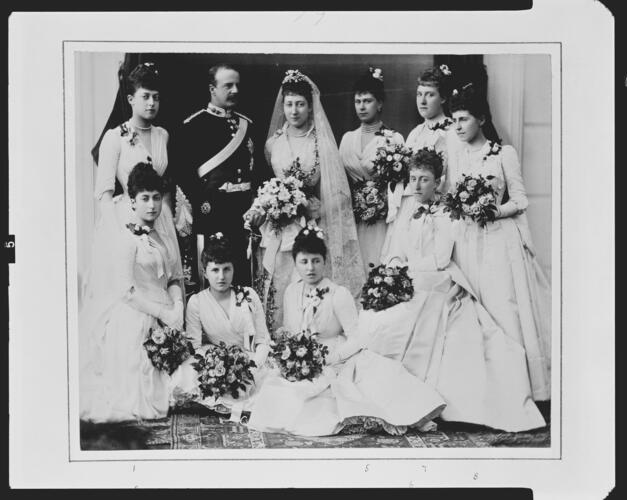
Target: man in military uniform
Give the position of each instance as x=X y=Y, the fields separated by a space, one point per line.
x=214 y=153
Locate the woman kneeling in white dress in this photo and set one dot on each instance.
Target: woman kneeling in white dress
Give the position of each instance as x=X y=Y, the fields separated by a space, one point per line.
x=444 y=335
x=222 y=313
x=356 y=388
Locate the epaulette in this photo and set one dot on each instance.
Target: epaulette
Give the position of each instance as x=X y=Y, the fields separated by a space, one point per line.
x=191 y=117
x=243 y=116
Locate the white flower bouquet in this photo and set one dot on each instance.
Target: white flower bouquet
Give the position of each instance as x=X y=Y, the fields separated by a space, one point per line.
x=167 y=348
x=299 y=356
x=281 y=201
x=474 y=198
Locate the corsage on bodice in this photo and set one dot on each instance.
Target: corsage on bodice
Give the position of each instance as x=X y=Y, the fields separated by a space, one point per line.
x=486 y=161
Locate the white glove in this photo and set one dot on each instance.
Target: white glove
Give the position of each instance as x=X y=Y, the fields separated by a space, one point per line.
x=173 y=316
x=261 y=353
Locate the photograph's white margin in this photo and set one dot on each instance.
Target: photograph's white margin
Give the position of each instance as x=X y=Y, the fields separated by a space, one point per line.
x=38 y=394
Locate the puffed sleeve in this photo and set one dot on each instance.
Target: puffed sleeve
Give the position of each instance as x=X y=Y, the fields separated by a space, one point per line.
x=193 y=326
x=443 y=241
x=344 y=150
x=267 y=150
x=262 y=336
x=513 y=178
x=411 y=138
x=345 y=310
x=108 y=157
x=398 y=139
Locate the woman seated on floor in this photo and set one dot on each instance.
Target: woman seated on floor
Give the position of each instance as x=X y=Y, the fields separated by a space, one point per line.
x=364 y=388
x=222 y=313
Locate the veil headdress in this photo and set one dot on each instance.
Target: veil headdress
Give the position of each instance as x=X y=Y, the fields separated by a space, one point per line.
x=337 y=219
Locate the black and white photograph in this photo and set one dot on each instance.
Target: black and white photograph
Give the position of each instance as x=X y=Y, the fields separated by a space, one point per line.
x=307 y=249
x=376 y=263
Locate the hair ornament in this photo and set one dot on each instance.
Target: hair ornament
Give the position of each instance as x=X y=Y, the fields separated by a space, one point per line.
x=216 y=236
x=150 y=65
x=293 y=76
x=376 y=73
x=444 y=69
x=314 y=230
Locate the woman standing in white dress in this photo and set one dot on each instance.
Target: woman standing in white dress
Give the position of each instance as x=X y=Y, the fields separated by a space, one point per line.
x=359 y=386
x=134 y=141
x=301 y=140
x=444 y=336
x=117 y=379
x=499 y=259
x=432 y=93
x=358 y=150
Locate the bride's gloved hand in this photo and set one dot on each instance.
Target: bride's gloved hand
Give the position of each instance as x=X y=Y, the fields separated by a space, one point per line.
x=261 y=354
x=173 y=316
x=254 y=218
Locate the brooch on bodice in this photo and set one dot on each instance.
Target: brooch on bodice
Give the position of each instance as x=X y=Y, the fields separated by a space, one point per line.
x=443 y=125
x=138 y=230
x=494 y=149
x=205 y=208
x=242 y=293
x=130 y=135
x=426 y=208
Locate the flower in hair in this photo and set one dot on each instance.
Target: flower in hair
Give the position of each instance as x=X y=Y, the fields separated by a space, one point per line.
x=293 y=76
x=376 y=73
x=217 y=236
x=151 y=66
x=455 y=92
x=444 y=69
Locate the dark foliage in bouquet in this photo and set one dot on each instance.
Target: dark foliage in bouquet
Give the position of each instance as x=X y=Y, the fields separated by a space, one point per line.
x=386 y=287
x=223 y=369
x=167 y=348
x=391 y=163
x=299 y=356
x=369 y=201
x=474 y=198
x=281 y=200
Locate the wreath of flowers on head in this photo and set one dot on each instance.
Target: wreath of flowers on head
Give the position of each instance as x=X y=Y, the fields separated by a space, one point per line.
x=314 y=230
x=445 y=69
x=293 y=76
x=151 y=65
x=216 y=236
x=376 y=73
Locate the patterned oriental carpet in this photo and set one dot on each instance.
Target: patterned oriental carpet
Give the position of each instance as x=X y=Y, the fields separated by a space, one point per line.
x=197 y=428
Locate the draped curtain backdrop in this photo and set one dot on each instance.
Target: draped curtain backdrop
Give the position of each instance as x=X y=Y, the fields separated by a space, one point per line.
x=517 y=86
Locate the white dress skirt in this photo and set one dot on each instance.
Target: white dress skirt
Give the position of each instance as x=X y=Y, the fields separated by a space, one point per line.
x=364 y=386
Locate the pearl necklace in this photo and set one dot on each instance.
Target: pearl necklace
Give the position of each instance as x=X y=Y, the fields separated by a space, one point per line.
x=141 y=128
x=373 y=127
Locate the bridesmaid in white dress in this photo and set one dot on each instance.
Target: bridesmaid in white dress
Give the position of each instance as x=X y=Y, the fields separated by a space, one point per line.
x=432 y=93
x=444 y=335
x=222 y=313
x=358 y=149
x=360 y=386
x=136 y=140
x=499 y=260
x=300 y=131
x=117 y=379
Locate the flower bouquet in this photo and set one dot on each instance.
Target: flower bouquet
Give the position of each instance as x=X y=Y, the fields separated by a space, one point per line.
x=223 y=370
x=386 y=287
x=369 y=201
x=473 y=199
x=167 y=348
x=281 y=200
x=299 y=356
x=391 y=163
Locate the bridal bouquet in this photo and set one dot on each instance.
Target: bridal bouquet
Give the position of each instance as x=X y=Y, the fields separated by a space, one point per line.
x=391 y=164
x=167 y=348
x=473 y=199
x=386 y=287
x=281 y=200
x=223 y=369
x=299 y=356
x=369 y=201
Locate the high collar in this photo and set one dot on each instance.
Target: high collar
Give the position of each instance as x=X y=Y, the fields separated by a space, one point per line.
x=433 y=121
x=218 y=111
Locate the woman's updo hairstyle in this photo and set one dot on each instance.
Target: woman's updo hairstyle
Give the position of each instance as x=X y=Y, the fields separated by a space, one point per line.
x=439 y=77
x=146 y=76
x=217 y=250
x=295 y=83
x=144 y=178
x=428 y=159
x=469 y=99
x=372 y=82
x=310 y=239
